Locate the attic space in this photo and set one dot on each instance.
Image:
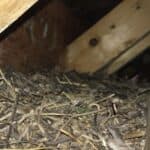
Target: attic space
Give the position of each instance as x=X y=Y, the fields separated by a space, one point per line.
x=38 y=39
x=74 y=74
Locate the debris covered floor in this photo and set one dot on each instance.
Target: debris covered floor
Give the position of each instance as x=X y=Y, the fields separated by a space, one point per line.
x=70 y=111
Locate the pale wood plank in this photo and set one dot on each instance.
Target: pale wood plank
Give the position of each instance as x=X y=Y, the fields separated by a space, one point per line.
x=111 y=36
x=11 y=10
x=128 y=55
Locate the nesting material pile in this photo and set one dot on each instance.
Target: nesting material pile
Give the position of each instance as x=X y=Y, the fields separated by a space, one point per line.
x=70 y=111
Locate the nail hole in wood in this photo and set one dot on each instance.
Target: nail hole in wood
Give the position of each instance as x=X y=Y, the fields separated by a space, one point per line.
x=138 y=7
x=113 y=26
x=93 y=42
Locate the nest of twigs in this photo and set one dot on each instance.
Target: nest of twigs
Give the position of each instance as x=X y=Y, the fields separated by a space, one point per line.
x=70 y=112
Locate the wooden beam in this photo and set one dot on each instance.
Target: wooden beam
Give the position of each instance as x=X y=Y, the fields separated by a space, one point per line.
x=128 y=55
x=11 y=10
x=110 y=37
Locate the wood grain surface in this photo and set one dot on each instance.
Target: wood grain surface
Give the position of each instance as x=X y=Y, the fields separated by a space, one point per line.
x=11 y=10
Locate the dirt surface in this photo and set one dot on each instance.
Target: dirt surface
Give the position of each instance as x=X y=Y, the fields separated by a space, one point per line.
x=71 y=112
